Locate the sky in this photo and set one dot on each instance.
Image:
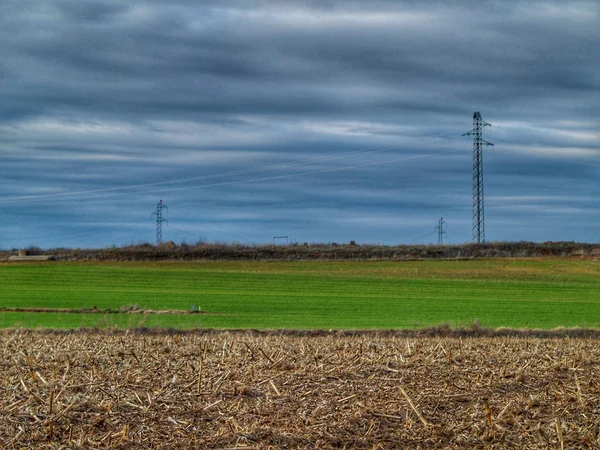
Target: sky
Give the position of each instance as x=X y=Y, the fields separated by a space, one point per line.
x=321 y=121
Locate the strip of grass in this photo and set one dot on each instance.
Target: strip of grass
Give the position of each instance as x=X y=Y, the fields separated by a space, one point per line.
x=513 y=293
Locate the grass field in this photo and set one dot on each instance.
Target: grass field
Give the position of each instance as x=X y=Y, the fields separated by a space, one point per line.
x=521 y=293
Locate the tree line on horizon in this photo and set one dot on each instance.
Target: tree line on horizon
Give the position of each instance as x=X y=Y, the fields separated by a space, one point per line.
x=313 y=251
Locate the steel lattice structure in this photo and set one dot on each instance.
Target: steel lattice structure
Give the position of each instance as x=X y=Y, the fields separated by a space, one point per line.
x=159 y=220
x=478 y=208
x=440 y=231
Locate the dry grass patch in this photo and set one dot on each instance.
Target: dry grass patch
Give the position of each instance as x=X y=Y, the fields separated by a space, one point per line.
x=246 y=390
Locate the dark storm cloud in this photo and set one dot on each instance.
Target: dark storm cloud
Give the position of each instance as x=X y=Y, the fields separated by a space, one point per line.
x=104 y=94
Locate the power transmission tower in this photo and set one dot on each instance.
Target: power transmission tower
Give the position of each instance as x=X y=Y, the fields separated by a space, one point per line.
x=478 y=143
x=159 y=220
x=440 y=230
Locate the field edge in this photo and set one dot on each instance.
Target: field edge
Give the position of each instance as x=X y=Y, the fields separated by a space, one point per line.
x=442 y=331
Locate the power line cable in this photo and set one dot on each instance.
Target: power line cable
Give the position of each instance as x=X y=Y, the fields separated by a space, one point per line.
x=231 y=183
x=181 y=230
x=206 y=227
x=38 y=239
x=225 y=174
x=431 y=233
x=208 y=177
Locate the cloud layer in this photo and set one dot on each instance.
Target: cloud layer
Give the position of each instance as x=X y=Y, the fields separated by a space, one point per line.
x=324 y=121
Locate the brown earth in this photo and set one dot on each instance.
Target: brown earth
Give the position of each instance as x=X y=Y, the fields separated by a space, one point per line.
x=252 y=390
x=124 y=310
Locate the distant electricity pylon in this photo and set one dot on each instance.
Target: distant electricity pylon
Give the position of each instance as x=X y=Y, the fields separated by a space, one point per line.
x=159 y=220
x=478 y=143
x=440 y=230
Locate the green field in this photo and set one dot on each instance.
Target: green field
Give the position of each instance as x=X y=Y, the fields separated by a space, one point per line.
x=520 y=293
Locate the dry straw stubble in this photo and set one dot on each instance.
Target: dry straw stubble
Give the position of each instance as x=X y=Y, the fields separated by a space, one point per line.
x=246 y=390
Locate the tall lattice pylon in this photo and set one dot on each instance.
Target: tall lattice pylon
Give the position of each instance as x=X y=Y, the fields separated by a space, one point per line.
x=159 y=220
x=478 y=143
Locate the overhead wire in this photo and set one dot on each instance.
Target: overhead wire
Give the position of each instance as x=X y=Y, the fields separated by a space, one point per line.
x=205 y=227
x=44 y=234
x=58 y=195
x=236 y=182
x=206 y=177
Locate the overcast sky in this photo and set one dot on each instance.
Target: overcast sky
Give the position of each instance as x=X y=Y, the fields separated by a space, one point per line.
x=321 y=121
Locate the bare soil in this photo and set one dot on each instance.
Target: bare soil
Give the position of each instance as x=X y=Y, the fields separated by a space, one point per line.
x=124 y=310
x=222 y=390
